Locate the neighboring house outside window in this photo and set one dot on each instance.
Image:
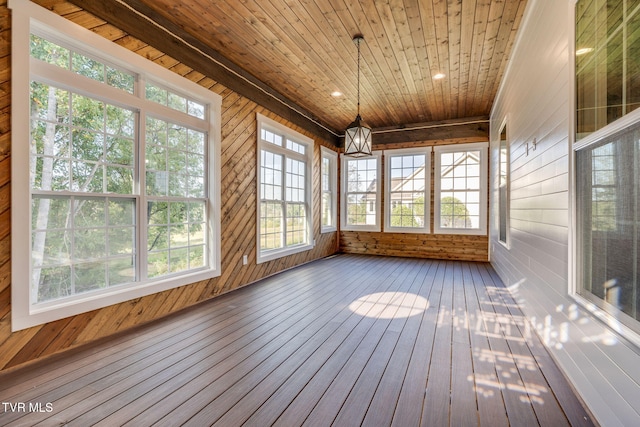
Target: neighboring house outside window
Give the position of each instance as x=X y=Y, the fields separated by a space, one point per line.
x=460 y=194
x=360 y=207
x=407 y=195
x=284 y=191
x=119 y=186
x=328 y=179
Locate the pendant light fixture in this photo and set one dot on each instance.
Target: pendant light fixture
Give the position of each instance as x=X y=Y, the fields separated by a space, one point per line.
x=357 y=136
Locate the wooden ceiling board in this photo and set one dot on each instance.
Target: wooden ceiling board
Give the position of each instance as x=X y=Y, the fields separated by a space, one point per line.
x=303 y=50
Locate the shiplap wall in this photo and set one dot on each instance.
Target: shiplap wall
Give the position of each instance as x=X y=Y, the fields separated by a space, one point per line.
x=238 y=211
x=535 y=98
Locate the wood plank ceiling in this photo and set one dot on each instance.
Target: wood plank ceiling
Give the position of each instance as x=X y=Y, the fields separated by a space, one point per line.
x=303 y=49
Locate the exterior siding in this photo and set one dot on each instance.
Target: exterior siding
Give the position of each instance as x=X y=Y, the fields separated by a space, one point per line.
x=534 y=97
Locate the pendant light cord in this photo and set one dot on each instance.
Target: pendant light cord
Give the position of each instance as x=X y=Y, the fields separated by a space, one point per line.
x=359 y=40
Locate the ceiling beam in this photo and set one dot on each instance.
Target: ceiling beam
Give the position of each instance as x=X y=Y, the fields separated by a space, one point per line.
x=470 y=128
x=141 y=22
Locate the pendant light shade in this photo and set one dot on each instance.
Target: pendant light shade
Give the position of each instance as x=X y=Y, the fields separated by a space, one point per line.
x=357 y=136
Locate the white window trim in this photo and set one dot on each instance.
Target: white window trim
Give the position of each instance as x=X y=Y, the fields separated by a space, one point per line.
x=427 y=192
x=333 y=187
x=483 y=148
x=267 y=123
x=343 y=194
x=25 y=16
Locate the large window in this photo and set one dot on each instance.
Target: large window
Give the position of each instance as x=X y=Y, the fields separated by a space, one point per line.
x=360 y=205
x=407 y=173
x=460 y=202
x=607 y=158
x=284 y=208
x=118 y=188
x=328 y=179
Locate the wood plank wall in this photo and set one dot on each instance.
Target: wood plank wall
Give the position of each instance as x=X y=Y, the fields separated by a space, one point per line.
x=437 y=246
x=238 y=211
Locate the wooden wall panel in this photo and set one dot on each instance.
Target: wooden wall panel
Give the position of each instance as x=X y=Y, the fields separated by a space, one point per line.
x=437 y=246
x=239 y=151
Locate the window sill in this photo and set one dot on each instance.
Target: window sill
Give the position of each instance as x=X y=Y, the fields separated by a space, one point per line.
x=266 y=256
x=38 y=314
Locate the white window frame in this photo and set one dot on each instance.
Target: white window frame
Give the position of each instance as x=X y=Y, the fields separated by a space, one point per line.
x=438 y=150
x=332 y=157
x=504 y=208
x=377 y=155
x=388 y=154
x=26 y=18
x=286 y=133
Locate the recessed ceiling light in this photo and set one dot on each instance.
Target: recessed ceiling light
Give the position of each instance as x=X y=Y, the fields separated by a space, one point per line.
x=584 y=51
x=438 y=76
x=336 y=94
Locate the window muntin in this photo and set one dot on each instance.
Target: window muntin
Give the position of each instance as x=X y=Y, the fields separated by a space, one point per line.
x=284 y=188
x=460 y=205
x=328 y=181
x=407 y=192
x=82 y=197
x=361 y=193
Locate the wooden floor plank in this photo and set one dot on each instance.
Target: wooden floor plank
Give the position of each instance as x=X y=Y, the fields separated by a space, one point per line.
x=348 y=340
x=499 y=329
x=409 y=406
x=437 y=400
x=491 y=409
x=383 y=405
x=464 y=407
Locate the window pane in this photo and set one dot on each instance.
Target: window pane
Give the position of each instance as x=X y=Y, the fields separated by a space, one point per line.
x=49 y=52
x=271 y=225
x=87 y=67
x=407 y=191
x=361 y=191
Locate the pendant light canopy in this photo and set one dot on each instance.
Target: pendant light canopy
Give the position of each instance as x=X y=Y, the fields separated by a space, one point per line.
x=357 y=136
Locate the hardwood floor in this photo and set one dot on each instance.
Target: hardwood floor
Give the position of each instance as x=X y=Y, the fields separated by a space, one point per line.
x=347 y=340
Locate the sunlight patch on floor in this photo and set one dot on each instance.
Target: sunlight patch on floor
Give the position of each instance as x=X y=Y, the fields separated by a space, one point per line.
x=389 y=305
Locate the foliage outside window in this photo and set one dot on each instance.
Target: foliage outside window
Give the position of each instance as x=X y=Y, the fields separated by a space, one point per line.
x=407 y=178
x=120 y=188
x=607 y=62
x=460 y=205
x=328 y=180
x=284 y=183
x=361 y=193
